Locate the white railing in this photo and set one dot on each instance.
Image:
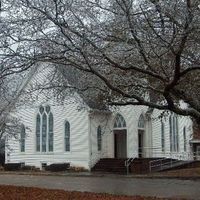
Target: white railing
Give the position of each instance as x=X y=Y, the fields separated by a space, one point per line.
x=171 y=159
x=128 y=163
x=161 y=163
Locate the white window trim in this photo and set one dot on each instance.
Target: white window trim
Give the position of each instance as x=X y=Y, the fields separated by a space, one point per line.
x=47 y=131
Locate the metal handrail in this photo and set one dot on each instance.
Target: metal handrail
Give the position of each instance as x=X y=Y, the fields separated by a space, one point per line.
x=128 y=163
x=161 y=162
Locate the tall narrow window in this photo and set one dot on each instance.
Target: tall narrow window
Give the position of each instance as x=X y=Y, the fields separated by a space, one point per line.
x=174 y=137
x=44 y=130
x=50 y=132
x=162 y=136
x=141 y=136
x=22 y=138
x=184 y=139
x=67 y=136
x=177 y=134
x=99 y=138
x=141 y=122
x=170 y=132
x=38 y=123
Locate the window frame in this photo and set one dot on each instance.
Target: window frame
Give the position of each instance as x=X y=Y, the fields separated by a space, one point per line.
x=162 y=136
x=67 y=138
x=23 y=140
x=174 y=133
x=141 y=119
x=184 y=139
x=119 y=122
x=99 y=138
x=39 y=126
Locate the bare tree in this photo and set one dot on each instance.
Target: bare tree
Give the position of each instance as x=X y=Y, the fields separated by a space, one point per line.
x=12 y=87
x=122 y=52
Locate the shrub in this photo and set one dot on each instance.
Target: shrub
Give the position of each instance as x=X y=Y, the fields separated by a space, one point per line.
x=1 y=168
x=78 y=169
x=56 y=167
x=12 y=166
x=28 y=168
x=2 y=159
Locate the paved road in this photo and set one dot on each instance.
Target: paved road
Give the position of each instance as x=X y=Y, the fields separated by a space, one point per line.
x=128 y=186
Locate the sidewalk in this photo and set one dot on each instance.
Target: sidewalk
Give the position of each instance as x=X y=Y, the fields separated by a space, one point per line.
x=164 y=175
x=117 y=185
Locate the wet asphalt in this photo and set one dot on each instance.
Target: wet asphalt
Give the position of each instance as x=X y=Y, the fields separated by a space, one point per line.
x=189 y=189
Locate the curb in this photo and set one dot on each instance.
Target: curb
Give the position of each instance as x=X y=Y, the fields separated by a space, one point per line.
x=102 y=175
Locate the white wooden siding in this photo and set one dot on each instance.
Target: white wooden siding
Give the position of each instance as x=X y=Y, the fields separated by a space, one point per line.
x=83 y=131
x=156 y=131
x=98 y=119
x=131 y=115
x=78 y=119
x=79 y=150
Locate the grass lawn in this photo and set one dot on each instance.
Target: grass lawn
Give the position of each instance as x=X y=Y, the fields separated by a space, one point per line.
x=30 y=193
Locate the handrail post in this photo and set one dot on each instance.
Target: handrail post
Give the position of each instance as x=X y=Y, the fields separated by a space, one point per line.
x=127 y=169
x=127 y=164
x=150 y=166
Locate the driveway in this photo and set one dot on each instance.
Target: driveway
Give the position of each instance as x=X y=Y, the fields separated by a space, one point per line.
x=119 y=185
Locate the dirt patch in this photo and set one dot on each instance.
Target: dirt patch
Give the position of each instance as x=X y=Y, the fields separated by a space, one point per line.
x=30 y=193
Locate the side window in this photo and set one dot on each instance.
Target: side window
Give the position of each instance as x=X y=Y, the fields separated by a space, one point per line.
x=99 y=138
x=162 y=136
x=174 y=135
x=67 y=136
x=184 y=139
x=22 y=138
x=50 y=132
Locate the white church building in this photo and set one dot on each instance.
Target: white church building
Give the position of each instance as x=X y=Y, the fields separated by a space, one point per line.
x=64 y=133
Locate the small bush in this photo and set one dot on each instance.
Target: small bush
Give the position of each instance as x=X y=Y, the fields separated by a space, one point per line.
x=2 y=159
x=1 y=168
x=28 y=168
x=56 y=167
x=12 y=166
x=78 y=169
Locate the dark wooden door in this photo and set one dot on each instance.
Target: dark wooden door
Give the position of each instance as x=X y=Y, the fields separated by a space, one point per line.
x=120 y=144
x=140 y=143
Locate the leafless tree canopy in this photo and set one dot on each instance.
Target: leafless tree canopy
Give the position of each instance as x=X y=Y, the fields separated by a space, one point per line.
x=120 y=52
x=10 y=126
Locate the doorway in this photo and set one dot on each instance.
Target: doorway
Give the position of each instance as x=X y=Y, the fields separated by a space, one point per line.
x=198 y=152
x=120 y=142
x=140 y=143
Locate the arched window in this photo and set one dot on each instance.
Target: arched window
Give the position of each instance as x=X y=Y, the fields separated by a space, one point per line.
x=141 y=122
x=50 y=132
x=162 y=136
x=141 y=133
x=38 y=122
x=67 y=136
x=174 y=137
x=44 y=130
x=22 y=138
x=119 y=122
x=99 y=138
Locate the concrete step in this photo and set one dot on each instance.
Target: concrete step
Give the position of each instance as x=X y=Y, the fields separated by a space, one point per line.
x=110 y=165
